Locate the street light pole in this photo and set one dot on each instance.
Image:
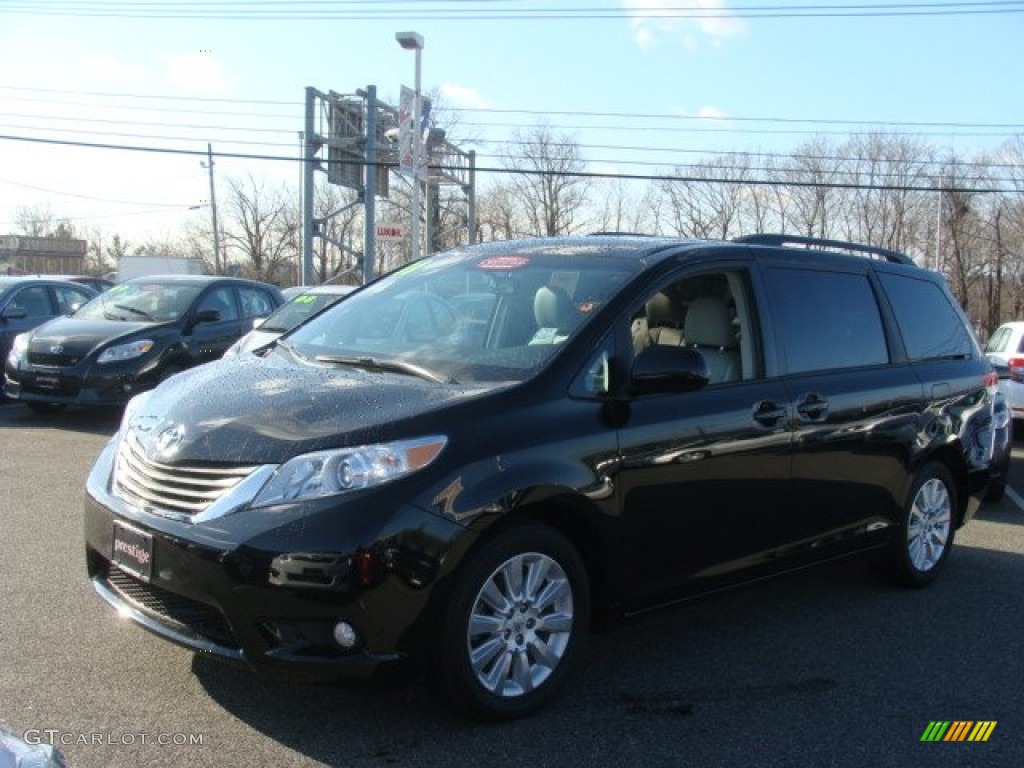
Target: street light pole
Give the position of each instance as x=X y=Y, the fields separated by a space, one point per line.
x=412 y=41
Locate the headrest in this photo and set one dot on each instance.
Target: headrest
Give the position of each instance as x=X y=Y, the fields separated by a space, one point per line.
x=709 y=323
x=552 y=308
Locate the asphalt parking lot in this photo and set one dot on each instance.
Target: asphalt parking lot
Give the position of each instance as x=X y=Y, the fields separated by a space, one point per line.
x=824 y=668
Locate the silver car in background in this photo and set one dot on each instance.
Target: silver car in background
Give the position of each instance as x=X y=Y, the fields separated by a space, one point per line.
x=299 y=308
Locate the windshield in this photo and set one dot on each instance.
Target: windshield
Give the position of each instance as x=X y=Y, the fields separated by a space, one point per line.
x=475 y=317
x=152 y=302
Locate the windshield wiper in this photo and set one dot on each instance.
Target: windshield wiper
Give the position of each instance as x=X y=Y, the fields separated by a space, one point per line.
x=391 y=366
x=134 y=311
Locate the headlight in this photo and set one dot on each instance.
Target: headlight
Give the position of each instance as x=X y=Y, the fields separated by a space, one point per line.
x=18 y=349
x=125 y=351
x=326 y=473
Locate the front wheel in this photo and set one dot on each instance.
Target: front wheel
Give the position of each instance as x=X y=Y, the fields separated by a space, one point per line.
x=926 y=530
x=514 y=625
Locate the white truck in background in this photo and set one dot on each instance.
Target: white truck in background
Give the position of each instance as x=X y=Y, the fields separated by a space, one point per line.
x=141 y=266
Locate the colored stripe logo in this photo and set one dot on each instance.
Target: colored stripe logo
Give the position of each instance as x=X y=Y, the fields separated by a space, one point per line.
x=959 y=730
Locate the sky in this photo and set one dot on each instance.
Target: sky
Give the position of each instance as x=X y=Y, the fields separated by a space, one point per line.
x=639 y=85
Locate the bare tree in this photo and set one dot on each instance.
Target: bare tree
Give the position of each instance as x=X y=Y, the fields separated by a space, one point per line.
x=40 y=221
x=546 y=180
x=813 y=201
x=707 y=199
x=259 y=232
x=884 y=208
x=621 y=211
x=498 y=215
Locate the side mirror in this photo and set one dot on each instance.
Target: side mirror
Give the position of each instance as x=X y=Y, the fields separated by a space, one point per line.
x=207 y=316
x=669 y=369
x=14 y=313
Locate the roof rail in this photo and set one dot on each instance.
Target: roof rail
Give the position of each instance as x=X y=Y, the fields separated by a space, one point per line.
x=783 y=240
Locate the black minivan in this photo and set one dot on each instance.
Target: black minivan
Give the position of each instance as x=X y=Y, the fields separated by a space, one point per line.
x=400 y=486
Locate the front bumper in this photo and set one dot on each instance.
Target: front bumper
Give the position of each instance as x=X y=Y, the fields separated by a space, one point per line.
x=267 y=587
x=113 y=384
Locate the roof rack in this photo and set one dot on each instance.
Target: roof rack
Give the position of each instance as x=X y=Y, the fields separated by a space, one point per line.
x=783 y=240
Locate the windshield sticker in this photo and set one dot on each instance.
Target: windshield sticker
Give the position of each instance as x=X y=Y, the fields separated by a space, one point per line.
x=503 y=262
x=306 y=298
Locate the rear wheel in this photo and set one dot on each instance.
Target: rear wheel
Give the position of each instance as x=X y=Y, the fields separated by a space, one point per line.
x=514 y=625
x=926 y=530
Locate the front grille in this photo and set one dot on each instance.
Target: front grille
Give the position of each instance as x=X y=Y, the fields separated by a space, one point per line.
x=56 y=361
x=170 y=608
x=183 y=488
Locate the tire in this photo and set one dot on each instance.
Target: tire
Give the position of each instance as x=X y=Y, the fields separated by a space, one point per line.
x=525 y=648
x=926 y=530
x=45 y=408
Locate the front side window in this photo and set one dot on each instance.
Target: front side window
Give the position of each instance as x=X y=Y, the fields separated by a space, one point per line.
x=221 y=301
x=33 y=300
x=710 y=313
x=467 y=317
x=826 y=320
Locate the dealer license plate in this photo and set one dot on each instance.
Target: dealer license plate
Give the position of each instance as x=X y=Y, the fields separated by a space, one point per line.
x=133 y=551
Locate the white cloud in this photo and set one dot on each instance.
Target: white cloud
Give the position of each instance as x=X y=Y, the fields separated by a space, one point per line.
x=461 y=96
x=712 y=113
x=656 y=19
x=194 y=74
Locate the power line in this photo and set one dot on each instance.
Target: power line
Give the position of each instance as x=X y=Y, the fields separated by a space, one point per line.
x=480 y=10
x=574 y=174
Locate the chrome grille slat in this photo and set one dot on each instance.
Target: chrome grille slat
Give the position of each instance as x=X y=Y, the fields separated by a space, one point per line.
x=186 y=489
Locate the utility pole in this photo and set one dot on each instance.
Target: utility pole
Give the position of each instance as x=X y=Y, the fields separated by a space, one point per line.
x=213 y=208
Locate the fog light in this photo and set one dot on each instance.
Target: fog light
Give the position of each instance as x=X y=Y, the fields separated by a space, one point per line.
x=345 y=634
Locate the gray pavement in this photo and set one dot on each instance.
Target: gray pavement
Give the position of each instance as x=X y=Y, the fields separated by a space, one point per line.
x=824 y=668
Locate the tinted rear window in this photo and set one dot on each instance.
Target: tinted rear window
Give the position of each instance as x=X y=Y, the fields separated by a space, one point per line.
x=826 y=320
x=930 y=323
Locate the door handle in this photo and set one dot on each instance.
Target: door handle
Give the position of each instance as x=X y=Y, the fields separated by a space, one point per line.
x=768 y=414
x=812 y=407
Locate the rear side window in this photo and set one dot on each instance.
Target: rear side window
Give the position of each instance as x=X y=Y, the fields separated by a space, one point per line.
x=931 y=326
x=999 y=340
x=826 y=320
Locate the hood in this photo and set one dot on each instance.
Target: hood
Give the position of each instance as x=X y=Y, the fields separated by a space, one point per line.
x=80 y=337
x=253 y=410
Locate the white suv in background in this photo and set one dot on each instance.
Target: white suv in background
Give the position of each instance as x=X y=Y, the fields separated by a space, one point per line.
x=1005 y=350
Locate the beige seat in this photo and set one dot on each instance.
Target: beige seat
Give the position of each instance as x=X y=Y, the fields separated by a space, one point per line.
x=555 y=315
x=709 y=329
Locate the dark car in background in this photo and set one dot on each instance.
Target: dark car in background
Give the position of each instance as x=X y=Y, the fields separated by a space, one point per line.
x=26 y=302
x=417 y=482
x=131 y=337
